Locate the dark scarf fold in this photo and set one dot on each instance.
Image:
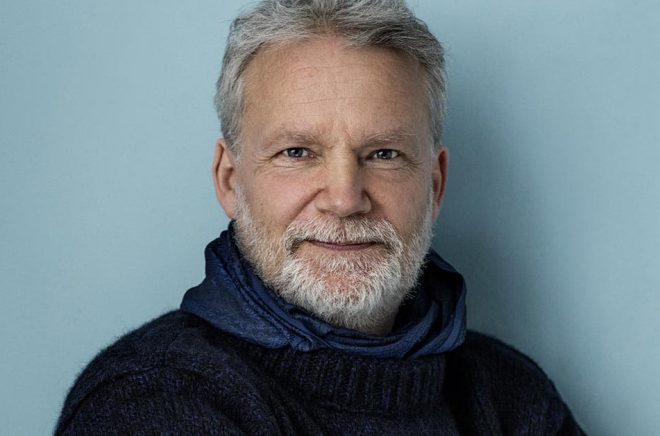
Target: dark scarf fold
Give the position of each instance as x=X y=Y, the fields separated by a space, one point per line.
x=233 y=299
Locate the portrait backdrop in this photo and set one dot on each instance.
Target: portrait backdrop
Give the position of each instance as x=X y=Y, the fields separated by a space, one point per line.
x=107 y=132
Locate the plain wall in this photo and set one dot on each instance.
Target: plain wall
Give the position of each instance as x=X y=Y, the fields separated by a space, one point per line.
x=106 y=137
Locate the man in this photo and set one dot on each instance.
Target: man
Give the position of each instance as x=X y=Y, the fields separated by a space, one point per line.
x=323 y=310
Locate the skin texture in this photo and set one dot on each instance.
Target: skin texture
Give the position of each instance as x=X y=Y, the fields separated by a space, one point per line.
x=332 y=132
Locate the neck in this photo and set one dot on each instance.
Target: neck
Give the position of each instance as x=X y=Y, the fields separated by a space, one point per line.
x=381 y=327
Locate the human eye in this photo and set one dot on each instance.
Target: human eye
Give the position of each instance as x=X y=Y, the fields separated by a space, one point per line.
x=296 y=153
x=384 y=154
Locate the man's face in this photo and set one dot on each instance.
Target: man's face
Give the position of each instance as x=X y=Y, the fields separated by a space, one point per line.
x=337 y=184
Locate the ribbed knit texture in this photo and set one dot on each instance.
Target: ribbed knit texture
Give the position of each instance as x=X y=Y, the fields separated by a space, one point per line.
x=179 y=375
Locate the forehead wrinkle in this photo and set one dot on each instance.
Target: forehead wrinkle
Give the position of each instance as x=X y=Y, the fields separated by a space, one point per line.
x=312 y=77
x=338 y=98
x=307 y=137
x=320 y=66
x=297 y=137
x=310 y=70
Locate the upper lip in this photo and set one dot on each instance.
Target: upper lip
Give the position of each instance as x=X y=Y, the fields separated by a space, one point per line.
x=295 y=245
x=343 y=242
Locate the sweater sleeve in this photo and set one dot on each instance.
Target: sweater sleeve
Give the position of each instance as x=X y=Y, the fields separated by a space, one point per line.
x=570 y=427
x=155 y=401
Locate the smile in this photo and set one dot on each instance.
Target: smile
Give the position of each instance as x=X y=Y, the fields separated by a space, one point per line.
x=343 y=246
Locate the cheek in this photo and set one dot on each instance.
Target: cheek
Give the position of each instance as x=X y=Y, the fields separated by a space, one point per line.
x=279 y=200
x=400 y=210
x=402 y=202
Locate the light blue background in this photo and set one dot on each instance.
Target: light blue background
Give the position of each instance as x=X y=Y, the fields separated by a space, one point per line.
x=106 y=138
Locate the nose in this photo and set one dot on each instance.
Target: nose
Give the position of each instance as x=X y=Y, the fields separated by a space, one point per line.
x=343 y=193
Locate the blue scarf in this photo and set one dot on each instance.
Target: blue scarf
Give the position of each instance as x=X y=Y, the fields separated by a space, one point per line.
x=235 y=300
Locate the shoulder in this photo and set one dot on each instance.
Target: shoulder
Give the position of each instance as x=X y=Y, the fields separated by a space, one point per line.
x=173 y=367
x=507 y=388
x=155 y=344
x=496 y=357
x=496 y=365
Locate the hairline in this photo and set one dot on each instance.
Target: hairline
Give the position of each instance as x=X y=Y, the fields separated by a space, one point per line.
x=235 y=144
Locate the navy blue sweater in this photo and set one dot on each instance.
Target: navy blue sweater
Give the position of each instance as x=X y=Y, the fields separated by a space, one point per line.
x=180 y=375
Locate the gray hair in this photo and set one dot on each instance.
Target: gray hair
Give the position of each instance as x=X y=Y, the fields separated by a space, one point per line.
x=362 y=23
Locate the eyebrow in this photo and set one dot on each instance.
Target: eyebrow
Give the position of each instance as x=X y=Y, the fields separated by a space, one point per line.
x=295 y=137
x=390 y=137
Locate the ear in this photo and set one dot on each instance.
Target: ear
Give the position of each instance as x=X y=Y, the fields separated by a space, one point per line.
x=440 y=166
x=224 y=177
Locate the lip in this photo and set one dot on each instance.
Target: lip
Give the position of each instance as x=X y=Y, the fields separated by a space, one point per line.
x=343 y=246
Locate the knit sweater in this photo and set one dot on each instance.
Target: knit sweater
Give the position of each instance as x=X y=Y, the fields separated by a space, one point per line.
x=180 y=375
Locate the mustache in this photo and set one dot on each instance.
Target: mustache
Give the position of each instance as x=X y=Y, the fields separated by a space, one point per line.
x=354 y=230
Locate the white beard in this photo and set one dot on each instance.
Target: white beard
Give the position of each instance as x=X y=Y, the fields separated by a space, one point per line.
x=362 y=290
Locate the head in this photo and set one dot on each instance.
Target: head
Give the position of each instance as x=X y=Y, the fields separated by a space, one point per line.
x=331 y=162
x=360 y=23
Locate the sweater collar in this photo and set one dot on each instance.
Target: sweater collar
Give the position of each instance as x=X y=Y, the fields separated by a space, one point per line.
x=354 y=383
x=233 y=299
